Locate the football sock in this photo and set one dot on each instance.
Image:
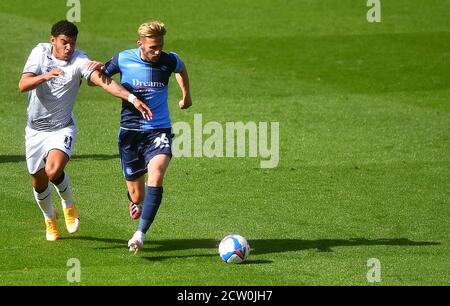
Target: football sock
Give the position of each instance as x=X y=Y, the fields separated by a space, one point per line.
x=62 y=184
x=44 y=201
x=152 y=200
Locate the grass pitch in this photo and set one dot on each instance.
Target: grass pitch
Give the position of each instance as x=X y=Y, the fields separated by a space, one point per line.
x=364 y=147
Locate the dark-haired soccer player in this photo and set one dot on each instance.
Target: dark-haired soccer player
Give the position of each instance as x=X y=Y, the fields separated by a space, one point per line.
x=52 y=76
x=145 y=146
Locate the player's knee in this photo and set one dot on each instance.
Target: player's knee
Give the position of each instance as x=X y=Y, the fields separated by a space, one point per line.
x=53 y=172
x=156 y=178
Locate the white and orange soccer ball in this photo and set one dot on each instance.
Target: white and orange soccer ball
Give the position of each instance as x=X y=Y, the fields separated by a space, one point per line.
x=234 y=249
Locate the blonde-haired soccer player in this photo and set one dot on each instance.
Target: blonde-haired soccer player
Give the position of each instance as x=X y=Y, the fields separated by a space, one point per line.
x=145 y=146
x=52 y=76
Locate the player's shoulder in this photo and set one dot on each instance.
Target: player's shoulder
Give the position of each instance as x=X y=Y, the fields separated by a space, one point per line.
x=129 y=54
x=169 y=57
x=172 y=54
x=79 y=58
x=44 y=48
x=80 y=54
x=127 y=57
x=172 y=60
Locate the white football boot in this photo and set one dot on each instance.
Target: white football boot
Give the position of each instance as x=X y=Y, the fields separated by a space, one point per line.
x=136 y=242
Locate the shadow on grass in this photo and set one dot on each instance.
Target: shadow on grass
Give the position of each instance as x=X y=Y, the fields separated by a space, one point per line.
x=258 y=246
x=96 y=156
x=12 y=158
x=21 y=158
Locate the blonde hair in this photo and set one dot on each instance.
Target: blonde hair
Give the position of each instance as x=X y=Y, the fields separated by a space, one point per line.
x=151 y=29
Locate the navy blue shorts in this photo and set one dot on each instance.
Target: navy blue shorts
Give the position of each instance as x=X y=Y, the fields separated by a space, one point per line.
x=137 y=148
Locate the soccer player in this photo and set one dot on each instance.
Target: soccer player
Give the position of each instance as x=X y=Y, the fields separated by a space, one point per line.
x=145 y=146
x=52 y=76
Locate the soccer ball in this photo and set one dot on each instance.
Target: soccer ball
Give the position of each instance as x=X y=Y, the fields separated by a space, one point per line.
x=234 y=249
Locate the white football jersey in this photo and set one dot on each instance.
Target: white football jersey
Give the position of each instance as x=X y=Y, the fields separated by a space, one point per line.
x=51 y=103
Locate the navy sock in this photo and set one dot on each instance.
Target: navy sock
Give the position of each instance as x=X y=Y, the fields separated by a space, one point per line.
x=152 y=200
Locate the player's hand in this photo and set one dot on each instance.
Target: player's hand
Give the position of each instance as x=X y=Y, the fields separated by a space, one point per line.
x=185 y=103
x=94 y=65
x=55 y=72
x=143 y=108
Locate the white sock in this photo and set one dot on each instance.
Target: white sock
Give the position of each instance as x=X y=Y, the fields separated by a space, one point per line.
x=44 y=201
x=65 y=193
x=139 y=235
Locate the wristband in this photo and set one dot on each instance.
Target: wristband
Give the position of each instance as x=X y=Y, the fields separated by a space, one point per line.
x=131 y=98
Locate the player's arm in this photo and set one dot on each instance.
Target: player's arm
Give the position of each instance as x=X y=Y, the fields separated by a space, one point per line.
x=30 y=81
x=117 y=90
x=183 y=81
x=94 y=65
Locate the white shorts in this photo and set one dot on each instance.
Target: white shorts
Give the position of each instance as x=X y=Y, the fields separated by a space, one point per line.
x=38 y=144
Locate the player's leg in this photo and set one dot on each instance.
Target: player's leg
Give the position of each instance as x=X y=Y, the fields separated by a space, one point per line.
x=156 y=152
x=153 y=195
x=35 y=157
x=43 y=193
x=43 y=196
x=154 y=190
x=131 y=144
x=62 y=144
x=136 y=193
x=133 y=167
x=56 y=162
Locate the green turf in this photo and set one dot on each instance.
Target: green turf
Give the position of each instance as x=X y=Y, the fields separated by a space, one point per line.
x=364 y=167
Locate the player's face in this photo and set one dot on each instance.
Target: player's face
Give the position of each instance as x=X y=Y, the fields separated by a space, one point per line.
x=63 y=46
x=151 y=48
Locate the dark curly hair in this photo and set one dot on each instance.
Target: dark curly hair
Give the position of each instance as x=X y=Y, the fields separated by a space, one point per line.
x=64 y=27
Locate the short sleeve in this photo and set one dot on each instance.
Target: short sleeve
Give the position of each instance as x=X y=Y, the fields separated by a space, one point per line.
x=179 y=65
x=33 y=64
x=112 y=66
x=83 y=61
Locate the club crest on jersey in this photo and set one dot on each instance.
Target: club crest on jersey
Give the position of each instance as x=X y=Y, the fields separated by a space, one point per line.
x=161 y=142
x=50 y=68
